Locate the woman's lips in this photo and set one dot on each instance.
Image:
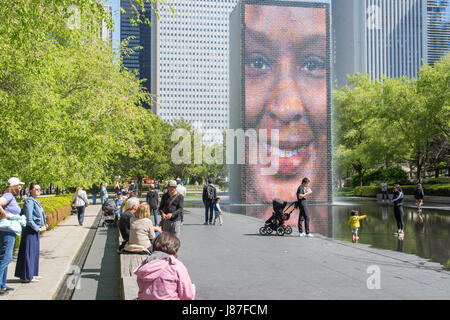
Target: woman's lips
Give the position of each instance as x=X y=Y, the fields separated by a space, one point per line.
x=291 y=156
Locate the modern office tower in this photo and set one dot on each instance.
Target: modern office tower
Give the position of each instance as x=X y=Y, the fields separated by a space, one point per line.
x=141 y=34
x=438 y=35
x=380 y=37
x=192 y=62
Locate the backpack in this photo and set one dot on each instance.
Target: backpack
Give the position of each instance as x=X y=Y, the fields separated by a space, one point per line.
x=210 y=192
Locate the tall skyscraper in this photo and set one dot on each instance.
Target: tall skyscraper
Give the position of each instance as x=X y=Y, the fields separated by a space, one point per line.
x=140 y=60
x=192 y=62
x=380 y=37
x=438 y=37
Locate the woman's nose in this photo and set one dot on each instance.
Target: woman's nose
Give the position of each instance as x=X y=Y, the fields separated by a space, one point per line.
x=287 y=103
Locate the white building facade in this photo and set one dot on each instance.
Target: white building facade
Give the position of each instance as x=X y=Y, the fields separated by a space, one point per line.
x=191 y=78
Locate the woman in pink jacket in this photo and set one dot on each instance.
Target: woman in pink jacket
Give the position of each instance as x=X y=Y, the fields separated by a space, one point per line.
x=162 y=276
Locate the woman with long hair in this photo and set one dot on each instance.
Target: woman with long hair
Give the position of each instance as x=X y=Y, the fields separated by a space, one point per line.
x=81 y=202
x=27 y=267
x=418 y=195
x=142 y=231
x=397 y=200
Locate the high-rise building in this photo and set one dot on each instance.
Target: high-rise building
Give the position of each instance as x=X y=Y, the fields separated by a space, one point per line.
x=138 y=35
x=192 y=62
x=379 y=37
x=438 y=23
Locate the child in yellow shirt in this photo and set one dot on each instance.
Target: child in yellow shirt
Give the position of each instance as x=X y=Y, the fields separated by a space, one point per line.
x=353 y=222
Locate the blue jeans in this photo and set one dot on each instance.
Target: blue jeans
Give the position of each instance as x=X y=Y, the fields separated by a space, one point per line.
x=94 y=198
x=209 y=206
x=385 y=193
x=7 y=240
x=104 y=198
x=80 y=211
x=155 y=215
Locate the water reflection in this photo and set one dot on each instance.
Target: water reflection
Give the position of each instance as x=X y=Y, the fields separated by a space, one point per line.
x=426 y=235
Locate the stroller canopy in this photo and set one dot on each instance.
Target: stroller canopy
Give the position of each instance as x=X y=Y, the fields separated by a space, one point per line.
x=278 y=205
x=109 y=204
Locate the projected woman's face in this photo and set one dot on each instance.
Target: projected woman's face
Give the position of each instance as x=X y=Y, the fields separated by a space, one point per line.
x=286 y=89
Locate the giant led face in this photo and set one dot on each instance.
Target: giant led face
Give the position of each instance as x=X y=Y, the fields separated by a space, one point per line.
x=286 y=89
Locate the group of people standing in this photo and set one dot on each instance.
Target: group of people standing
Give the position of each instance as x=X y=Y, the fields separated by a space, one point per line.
x=27 y=222
x=397 y=200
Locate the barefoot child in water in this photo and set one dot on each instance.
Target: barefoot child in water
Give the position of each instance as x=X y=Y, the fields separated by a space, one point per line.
x=353 y=222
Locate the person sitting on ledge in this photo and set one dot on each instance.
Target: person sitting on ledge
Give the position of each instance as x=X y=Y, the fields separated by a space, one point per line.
x=142 y=231
x=162 y=276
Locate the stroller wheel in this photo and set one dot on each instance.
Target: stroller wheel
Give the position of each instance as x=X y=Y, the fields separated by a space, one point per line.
x=281 y=231
x=262 y=231
x=288 y=230
x=269 y=230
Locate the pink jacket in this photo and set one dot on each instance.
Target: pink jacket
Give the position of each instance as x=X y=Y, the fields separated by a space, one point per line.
x=163 y=277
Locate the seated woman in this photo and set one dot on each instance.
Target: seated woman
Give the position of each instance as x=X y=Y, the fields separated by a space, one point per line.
x=162 y=276
x=142 y=231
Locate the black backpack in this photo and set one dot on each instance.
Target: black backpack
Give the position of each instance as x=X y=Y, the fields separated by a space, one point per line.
x=210 y=192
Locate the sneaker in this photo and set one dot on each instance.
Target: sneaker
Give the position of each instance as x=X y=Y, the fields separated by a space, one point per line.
x=302 y=234
x=205 y=223
x=32 y=280
x=8 y=288
x=4 y=292
x=37 y=277
x=309 y=235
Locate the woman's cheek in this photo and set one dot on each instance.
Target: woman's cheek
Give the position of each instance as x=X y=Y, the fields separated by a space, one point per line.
x=255 y=92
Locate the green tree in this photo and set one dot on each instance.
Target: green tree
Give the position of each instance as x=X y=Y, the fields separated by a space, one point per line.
x=356 y=131
x=65 y=105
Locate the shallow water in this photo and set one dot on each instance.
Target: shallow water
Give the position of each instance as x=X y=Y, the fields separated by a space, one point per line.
x=429 y=239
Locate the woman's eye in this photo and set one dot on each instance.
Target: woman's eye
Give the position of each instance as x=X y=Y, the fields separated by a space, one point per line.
x=257 y=63
x=313 y=64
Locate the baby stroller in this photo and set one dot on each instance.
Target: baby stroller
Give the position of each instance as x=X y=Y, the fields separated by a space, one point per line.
x=108 y=217
x=277 y=222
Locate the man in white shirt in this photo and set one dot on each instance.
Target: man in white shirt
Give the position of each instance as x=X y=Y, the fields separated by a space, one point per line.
x=181 y=190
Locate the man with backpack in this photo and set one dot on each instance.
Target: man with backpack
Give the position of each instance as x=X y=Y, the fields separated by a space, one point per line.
x=209 y=195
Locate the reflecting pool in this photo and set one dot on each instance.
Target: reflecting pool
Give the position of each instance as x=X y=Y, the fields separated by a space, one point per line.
x=427 y=236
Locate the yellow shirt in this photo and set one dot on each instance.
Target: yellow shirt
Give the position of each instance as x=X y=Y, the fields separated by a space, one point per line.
x=353 y=222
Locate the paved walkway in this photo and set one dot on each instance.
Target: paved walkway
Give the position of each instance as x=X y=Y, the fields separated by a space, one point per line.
x=58 y=248
x=235 y=262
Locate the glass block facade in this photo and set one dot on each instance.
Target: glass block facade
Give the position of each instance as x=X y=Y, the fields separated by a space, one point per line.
x=192 y=62
x=438 y=33
x=395 y=37
x=140 y=60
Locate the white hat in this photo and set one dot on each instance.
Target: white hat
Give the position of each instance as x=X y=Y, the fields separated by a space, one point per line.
x=172 y=183
x=14 y=182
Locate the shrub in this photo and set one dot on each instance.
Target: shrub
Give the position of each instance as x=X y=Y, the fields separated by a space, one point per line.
x=430 y=190
x=376 y=176
x=56 y=209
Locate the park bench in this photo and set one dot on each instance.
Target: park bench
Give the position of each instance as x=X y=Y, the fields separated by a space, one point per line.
x=129 y=286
